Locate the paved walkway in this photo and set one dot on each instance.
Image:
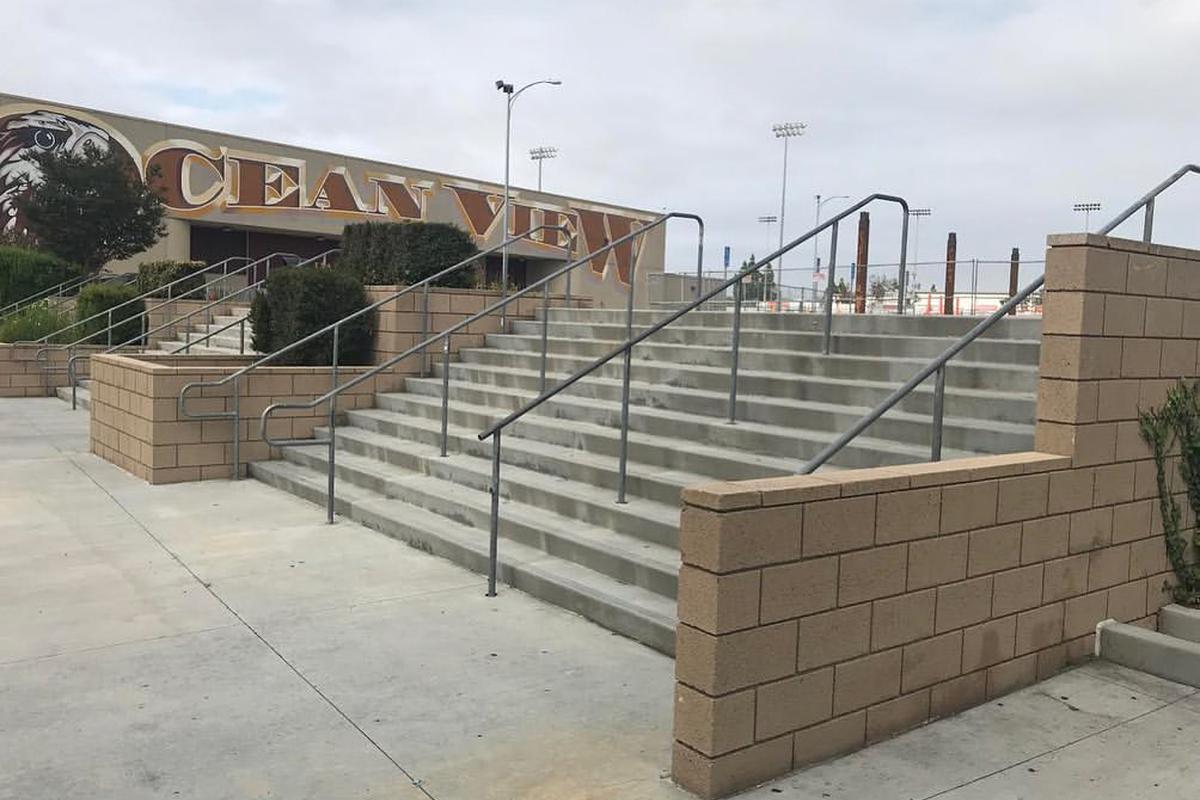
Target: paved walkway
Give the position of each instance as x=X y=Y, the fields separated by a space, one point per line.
x=216 y=641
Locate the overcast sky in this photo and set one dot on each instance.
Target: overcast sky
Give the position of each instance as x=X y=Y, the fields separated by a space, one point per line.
x=997 y=115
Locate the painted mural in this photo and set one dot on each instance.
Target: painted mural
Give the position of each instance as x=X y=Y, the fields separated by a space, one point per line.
x=209 y=182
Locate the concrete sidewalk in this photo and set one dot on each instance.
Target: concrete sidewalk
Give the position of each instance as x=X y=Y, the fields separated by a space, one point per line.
x=217 y=640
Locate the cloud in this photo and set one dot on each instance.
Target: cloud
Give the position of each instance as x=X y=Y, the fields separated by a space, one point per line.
x=997 y=115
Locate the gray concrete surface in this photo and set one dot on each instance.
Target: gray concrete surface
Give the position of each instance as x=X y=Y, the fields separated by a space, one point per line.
x=217 y=641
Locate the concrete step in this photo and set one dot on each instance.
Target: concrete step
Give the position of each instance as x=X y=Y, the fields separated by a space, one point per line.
x=481 y=366
x=83 y=395
x=974 y=435
x=1149 y=651
x=629 y=610
x=997 y=351
x=966 y=374
x=878 y=324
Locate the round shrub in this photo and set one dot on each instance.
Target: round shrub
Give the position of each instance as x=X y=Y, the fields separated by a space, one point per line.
x=97 y=298
x=154 y=274
x=25 y=272
x=297 y=301
x=35 y=321
x=407 y=252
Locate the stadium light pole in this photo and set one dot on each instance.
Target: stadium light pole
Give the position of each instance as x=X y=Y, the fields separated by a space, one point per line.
x=540 y=154
x=768 y=220
x=916 y=214
x=785 y=131
x=511 y=97
x=1087 y=209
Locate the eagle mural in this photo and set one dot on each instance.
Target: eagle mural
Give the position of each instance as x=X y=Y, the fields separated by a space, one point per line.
x=23 y=135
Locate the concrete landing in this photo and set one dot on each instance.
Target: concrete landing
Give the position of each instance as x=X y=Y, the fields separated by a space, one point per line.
x=217 y=641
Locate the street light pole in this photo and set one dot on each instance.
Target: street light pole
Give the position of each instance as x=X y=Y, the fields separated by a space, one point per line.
x=768 y=220
x=785 y=131
x=816 y=239
x=540 y=154
x=507 y=89
x=1087 y=209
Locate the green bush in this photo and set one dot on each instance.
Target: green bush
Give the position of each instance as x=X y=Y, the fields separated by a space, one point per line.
x=153 y=274
x=35 y=321
x=26 y=272
x=407 y=252
x=97 y=298
x=298 y=301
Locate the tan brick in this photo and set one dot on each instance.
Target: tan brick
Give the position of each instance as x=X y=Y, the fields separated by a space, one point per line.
x=1127 y=602
x=833 y=636
x=1147 y=557
x=1124 y=315
x=1011 y=675
x=868 y=574
x=726 y=542
x=931 y=661
x=1090 y=530
x=1183 y=279
x=993 y=549
x=721 y=664
x=1044 y=539
x=714 y=725
x=1118 y=400
x=911 y=514
x=933 y=562
x=1080 y=357
x=1178 y=358
x=968 y=505
x=1164 y=317
x=958 y=694
x=1147 y=274
x=1159 y=591
x=830 y=739
x=1082 y=613
x=1141 y=358
x=1191 y=319
x=799 y=589
x=1085 y=268
x=866 y=681
x=794 y=703
x=1074 y=313
x=1039 y=628
x=1070 y=490
x=1108 y=567
x=721 y=496
x=873 y=480
x=1095 y=444
x=718 y=603
x=791 y=489
x=1131 y=521
x=1113 y=484
x=1067 y=400
x=894 y=716
x=1065 y=577
x=965 y=603
x=1016 y=590
x=898 y=620
x=834 y=526
x=1023 y=497
x=726 y=774
x=989 y=643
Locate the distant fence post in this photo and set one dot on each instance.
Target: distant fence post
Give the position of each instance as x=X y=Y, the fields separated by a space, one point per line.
x=951 y=258
x=860 y=276
x=1014 y=267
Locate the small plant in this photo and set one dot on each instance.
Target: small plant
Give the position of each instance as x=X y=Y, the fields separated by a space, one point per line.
x=155 y=274
x=97 y=299
x=34 y=322
x=1177 y=422
x=300 y=301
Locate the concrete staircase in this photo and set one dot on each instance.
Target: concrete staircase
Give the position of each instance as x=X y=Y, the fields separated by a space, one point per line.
x=564 y=538
x=226 y=343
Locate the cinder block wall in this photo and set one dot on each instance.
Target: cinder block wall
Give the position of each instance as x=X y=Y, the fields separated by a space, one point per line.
x=821 y=613
x=22 y=376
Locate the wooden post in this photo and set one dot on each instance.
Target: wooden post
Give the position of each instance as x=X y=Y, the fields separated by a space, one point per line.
x=1014 y=267
x=860 y=275
x=951 y=257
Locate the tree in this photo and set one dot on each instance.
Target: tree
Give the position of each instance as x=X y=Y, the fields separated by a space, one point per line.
x=842 y=292
x=758 y=285
x=91 y=207
x=881 y=287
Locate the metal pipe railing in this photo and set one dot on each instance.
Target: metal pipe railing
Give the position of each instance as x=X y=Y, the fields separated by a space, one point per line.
x=143 y=336
x=57 y=292
x=331 y=396
x=424 y=284
x=1146 y=201
x=626 y=349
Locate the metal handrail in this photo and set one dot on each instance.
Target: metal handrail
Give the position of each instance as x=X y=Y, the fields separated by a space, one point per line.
x=143 y=336
x=938 y=365
x=423 y=284
x=626 y=349
x=58 y=291
x=444 y=336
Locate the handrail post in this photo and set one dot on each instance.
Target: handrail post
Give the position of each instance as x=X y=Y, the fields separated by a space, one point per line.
x=833 y=237
x=445 y=393
x=242 y=337
x=624 y=459
x=425 y=330
x=110 y=329
x=1148 y=221
x=939 y=398
x=71 y=379
x=494 y=532
x=237 y=430
x=333 y=370
x=699 y=263
x=545 y=332
x=737 y=336
x=903 y=259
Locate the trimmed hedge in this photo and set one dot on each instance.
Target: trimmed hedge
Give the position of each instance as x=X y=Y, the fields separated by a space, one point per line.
x=407 y=252
x=35 y=321
x=26 y=272
x=96 y=298
x=298 y=301
x=153 y=274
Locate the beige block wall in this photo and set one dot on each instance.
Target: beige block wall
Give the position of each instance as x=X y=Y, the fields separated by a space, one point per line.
x=821 y=613
x=136 y=423
x=22 y=376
